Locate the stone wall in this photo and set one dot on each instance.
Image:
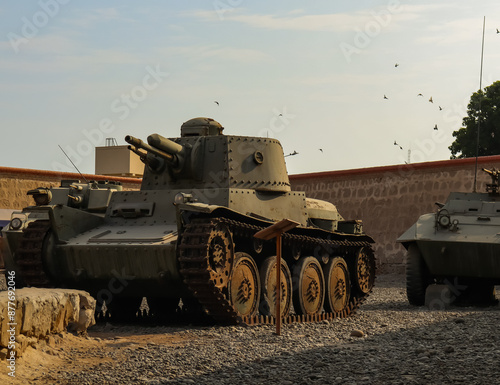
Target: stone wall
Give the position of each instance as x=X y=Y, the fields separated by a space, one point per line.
x=15 y=182
x=390 y=199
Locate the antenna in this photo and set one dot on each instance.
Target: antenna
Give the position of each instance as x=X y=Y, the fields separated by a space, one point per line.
x=86 y=181
x=480 y=99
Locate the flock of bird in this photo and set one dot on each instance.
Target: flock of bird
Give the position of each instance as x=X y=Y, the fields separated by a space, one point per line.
x=418 y=95
x=430 y=101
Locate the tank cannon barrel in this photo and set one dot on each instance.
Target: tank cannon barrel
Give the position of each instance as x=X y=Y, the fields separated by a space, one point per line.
x=164 y=144
x=137 y=143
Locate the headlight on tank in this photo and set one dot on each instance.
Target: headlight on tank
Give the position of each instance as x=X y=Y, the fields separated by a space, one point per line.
x=181 y=198
x=16 y=223
x=444 y=219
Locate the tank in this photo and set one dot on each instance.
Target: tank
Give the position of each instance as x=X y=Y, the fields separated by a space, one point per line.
x=19 y=233
x=185 y=240
x=458 y=245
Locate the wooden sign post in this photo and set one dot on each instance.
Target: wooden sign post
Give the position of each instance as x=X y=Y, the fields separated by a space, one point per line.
x=275 y=231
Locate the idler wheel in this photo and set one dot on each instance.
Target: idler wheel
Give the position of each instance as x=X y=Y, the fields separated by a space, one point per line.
x=244 y=285
x=309 y=286
x=364 y=270
x=268 y=282
x=338 y=285
x=220 y=255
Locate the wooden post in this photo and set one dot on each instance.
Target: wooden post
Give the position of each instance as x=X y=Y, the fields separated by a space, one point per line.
x=275 y=231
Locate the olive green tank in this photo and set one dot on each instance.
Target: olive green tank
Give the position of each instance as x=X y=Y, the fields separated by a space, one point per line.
x=186 y=240
x=458 y=245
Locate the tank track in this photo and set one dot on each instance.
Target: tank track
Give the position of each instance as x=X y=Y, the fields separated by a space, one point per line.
x=29 y=255
x=195 y=270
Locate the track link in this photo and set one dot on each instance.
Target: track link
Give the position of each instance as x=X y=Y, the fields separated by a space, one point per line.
x=29 y=254
x=193 y=258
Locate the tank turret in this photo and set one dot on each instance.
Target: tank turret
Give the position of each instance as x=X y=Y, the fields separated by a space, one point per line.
x=188 y=234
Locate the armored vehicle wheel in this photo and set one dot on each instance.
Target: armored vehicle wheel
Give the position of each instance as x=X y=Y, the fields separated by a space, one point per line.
x=121 y=309
x=268 y=282
x=244 y=285
x=309 y=286
x=417 y=276
x=364 y=270
x=220 y=255
x=338 y=285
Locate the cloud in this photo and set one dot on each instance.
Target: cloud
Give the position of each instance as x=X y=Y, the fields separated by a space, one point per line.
x=201 y=52
x=329 y=22
x=87 y=19
x=57 y=53
x=297 y=20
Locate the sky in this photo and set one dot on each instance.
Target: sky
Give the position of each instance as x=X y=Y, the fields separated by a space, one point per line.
x=336 y=82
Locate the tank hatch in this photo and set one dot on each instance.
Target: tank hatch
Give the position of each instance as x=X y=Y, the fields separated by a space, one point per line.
x=201 y=127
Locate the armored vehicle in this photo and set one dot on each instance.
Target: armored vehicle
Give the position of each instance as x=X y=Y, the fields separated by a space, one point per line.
x=186 y=239
x=21 y=233
x=458 y=245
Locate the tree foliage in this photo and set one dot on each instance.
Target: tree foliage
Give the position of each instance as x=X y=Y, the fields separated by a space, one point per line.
x=483 y=105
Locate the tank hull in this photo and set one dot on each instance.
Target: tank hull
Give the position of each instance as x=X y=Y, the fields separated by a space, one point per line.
x=461 y=259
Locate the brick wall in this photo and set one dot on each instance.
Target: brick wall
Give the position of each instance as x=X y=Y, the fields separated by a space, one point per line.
x=390 y=199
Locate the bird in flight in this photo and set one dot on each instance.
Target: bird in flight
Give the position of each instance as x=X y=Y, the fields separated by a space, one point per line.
x=430 y=100
x=321 y=149
x=498 y=31
x=440 y=108
x=396 y=144
x=396 y=65
x=436 y=127
x=216 y=102
x=385 y=97
x=420 y=95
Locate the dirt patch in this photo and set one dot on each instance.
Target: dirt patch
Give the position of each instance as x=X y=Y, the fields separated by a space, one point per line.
x=41 y=363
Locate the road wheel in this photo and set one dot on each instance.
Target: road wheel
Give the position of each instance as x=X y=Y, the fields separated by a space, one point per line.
x=338 y=285
x=244 y=285
x=268 y=282
x=308 y=286
x=417 y=276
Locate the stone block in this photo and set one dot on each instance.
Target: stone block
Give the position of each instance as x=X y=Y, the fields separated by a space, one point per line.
x=43 y=312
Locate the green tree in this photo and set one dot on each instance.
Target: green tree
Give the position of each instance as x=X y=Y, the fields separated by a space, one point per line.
x=484 y=105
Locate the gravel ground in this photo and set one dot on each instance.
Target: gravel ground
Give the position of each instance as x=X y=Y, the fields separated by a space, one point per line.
x=401 y=344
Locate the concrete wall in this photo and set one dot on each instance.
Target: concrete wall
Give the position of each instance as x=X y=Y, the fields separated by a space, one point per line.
x=390 y=199
x=15 y=182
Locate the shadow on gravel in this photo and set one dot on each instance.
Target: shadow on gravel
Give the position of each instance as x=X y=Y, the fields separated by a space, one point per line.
x=462 y=349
